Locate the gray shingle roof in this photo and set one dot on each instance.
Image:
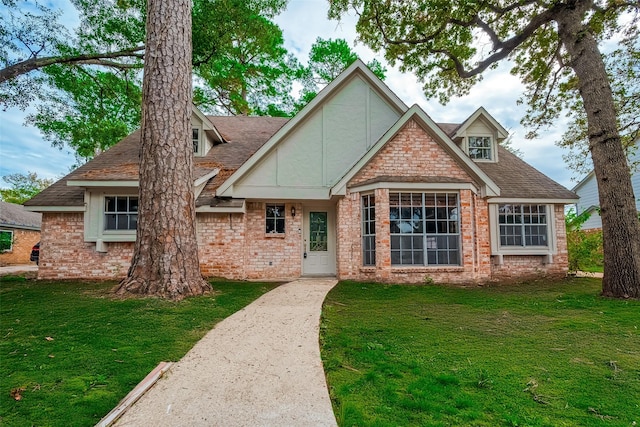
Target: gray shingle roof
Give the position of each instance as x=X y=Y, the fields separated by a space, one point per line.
x=245 y=135
x=517 y=179
x=16 y=216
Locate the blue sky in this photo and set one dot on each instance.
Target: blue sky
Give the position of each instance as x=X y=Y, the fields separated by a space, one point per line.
x=23 y=149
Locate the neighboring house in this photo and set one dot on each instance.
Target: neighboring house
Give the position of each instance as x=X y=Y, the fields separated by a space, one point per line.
x=19 y=231
x=356 y=185
x=587 y=191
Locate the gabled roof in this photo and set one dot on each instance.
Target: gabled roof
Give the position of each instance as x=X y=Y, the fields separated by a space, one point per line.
x=120 y=164
x=480 y=112
x=357 y=68
x=16 y=216
x=416 y=113
x=583 y=181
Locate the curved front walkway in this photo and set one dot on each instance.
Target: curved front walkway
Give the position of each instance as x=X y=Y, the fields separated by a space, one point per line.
x=259 y=367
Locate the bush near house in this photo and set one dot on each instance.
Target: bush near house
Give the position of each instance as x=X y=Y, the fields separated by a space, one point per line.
x=584 y=246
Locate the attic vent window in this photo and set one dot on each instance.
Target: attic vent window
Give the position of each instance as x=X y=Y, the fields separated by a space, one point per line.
x=195 y=136
x=480 y=148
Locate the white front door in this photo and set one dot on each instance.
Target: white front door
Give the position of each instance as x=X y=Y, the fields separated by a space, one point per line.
x=319 y=241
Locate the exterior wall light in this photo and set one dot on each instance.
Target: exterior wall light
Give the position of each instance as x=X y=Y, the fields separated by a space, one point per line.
x=293 y=211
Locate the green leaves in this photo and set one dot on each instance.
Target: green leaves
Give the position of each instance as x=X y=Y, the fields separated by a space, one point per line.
x=23 y=187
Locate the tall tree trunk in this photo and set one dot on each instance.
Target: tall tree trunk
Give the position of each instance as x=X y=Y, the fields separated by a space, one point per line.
x=165 y=260
x=620 y=226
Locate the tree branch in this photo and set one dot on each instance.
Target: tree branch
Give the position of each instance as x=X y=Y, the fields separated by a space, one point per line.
x=36 y=63
x=502 y=48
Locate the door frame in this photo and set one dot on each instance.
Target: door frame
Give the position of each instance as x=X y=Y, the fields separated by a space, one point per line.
x=332 y=244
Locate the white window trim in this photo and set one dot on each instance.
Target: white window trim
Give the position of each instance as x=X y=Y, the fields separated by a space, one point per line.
x=10 y=247
x=94 y=218
x=494 y=225
x=200 y=138
x=494 y=146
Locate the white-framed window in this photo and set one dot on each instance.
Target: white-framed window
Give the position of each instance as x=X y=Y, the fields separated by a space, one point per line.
x=480 y=147
x=120 y=213
x=523 y=225
x=195 y=137
x=274 y=219
x=425 y=228
x=368 y=230
x=6 y=240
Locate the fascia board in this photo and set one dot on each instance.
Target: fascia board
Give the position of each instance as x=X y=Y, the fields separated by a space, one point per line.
x=358 y=67
x=85 y=183
x=502 y=132
x=532 y=200
x=56 y=208
x=583 y=182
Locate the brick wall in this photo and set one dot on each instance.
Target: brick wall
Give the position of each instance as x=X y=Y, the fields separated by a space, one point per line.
x=221 y=245
x=23 y=241
x=412 y=152
x=65 y=255
x=270 y=256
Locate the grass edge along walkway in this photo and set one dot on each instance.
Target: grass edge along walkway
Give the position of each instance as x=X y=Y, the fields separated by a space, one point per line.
x=70 y=352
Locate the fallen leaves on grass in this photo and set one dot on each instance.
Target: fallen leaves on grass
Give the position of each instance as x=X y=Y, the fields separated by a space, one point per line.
x=16 y=393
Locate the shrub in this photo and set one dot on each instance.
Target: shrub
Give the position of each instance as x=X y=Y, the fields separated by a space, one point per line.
x=585 y=247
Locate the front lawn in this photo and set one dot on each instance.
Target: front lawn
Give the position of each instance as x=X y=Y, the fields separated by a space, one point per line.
x=534 y=354
x=69 y=351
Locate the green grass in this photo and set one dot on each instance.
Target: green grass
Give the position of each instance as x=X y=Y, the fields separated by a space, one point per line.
x=76 y=351
x=533 y=354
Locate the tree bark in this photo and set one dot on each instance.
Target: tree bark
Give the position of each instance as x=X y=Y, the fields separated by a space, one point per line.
x=620 y=225
x=165 y=260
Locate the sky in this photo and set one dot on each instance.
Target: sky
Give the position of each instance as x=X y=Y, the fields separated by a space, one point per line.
x=23 y=149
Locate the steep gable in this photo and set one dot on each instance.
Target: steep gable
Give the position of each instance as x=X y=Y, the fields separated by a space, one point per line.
x=415 y=149
x=318 y=146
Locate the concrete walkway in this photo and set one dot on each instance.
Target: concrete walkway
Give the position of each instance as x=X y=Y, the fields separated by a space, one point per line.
x=18 y=269
x=259 y=367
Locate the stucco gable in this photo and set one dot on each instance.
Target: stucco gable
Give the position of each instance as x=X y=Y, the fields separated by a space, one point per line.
x=316 y=148
x=416 y=146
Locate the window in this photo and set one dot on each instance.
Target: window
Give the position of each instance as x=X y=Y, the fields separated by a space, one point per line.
x=523 y=225
x=195 y=136
x=6 y=240
x=425 y=228
x=368 y=229
x=120 y=212
x=480 y=147
x=275 y=219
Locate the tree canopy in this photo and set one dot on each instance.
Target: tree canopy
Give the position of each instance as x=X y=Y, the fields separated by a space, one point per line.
x=22 y=187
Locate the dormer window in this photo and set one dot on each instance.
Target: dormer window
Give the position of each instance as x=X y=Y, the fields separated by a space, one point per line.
x=196 y=140
x=480 y=148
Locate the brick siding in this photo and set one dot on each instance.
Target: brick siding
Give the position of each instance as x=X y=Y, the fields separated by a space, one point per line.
x=23 y=241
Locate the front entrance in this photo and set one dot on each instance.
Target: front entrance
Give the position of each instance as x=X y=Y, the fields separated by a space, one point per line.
x=319 y=241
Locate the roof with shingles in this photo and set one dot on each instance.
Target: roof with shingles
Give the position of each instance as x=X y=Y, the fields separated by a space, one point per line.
x=518 y=179
x=245 y=135
x=16 y=216
x=121 y=162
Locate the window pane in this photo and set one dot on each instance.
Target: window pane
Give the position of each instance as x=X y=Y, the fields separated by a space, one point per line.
x=274 y=218
x=317 y=231
x=425 y=222
x=109 y=204
x=121 y=204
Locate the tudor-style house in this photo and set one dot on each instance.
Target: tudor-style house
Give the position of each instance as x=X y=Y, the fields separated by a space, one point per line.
x=357 y=185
